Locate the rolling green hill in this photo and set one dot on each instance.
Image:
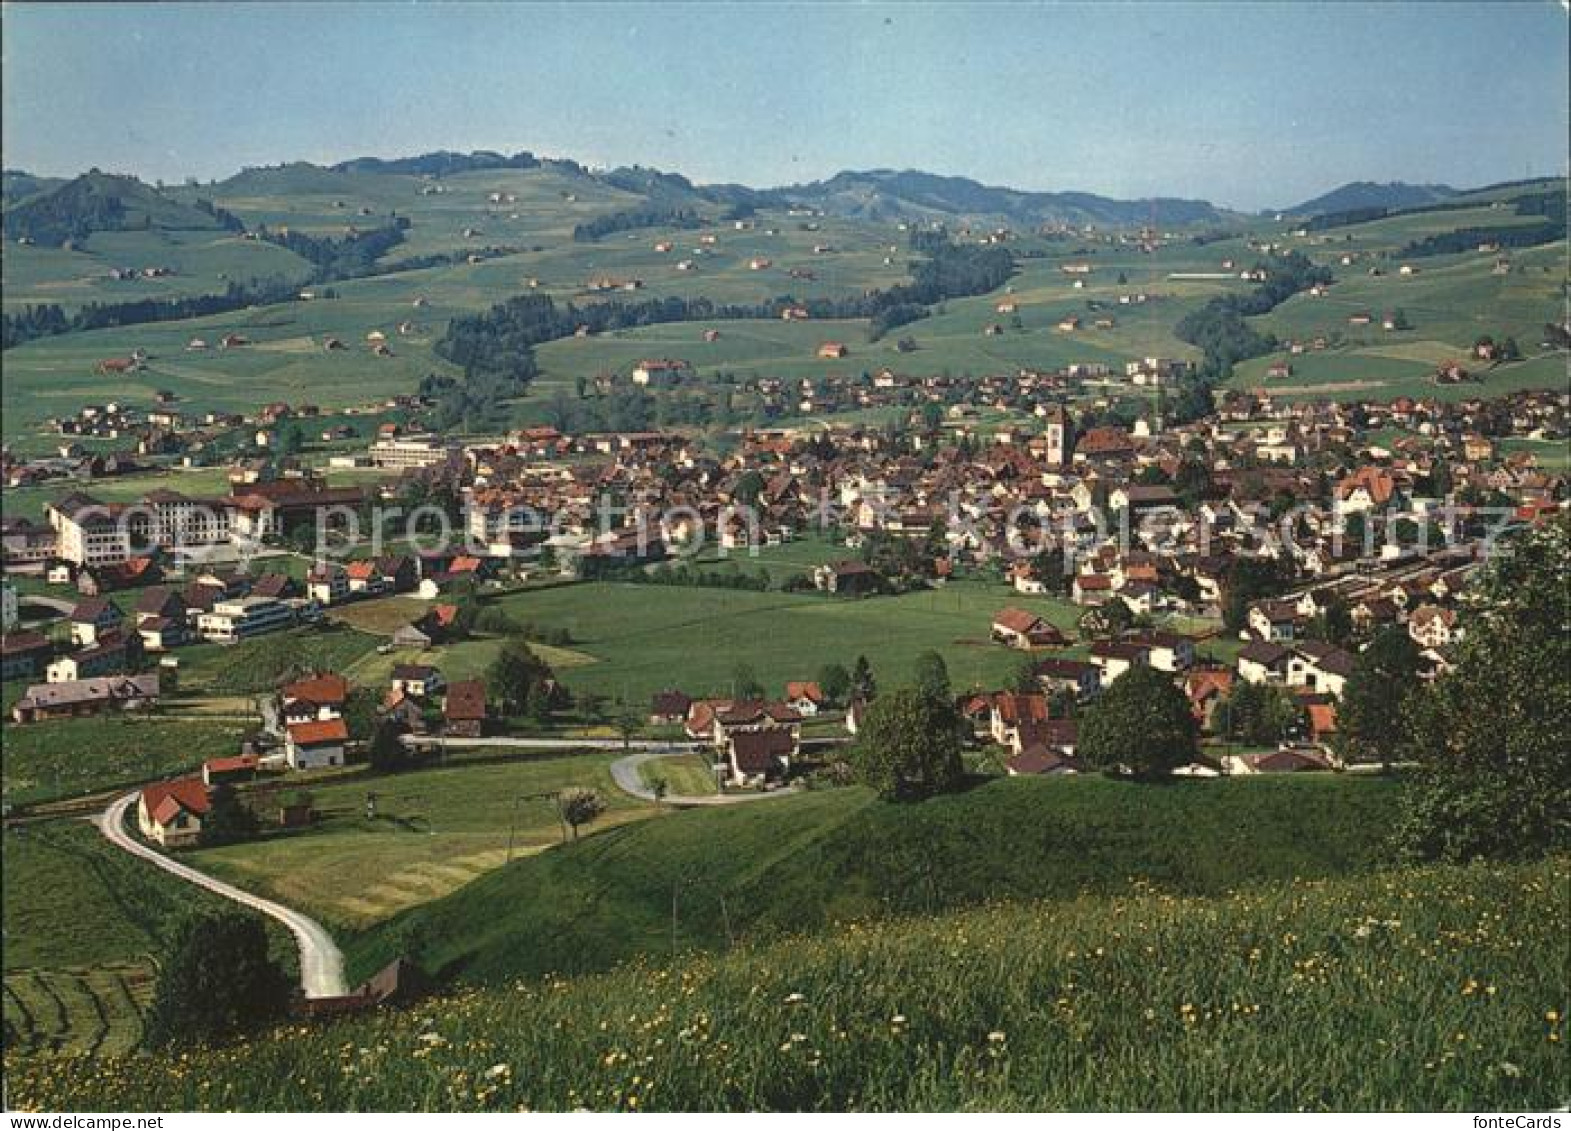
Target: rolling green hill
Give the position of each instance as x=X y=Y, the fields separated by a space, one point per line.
x=101 y=202
x=803 y=863
x=1369 y=194
x=1441 y=989
x=483 y=230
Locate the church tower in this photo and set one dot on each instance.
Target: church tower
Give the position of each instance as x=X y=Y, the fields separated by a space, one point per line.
x=1060 y=436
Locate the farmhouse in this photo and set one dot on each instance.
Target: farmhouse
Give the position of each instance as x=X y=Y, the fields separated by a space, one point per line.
x=1021 y=629
x=1261 y=661
x=23 y=654
x=754 y=757
x=832 y=350
x=1008 y=711
x=464 y=709
x=1319 y=666
x=1432 y=626
x=95 y=696
x=1115 y=657
x=318 y=698
x=661 y=370
x=669 y=706
x=1077 y=676
x=805 y=698
x=417 y=680
x=93 y=619
x=313 y=745
x=848 y=577
x=171 y=812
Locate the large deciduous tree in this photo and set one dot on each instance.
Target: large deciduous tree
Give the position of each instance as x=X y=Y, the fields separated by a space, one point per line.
x=216 y=982
x=909 y=746
x=1141 y=725
x=1369 y=719
x=518 y=677
x=1491 y=732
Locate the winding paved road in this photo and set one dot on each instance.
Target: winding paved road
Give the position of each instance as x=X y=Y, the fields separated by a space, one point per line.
x=321 y=962
x=624 y=771
x=567 y=745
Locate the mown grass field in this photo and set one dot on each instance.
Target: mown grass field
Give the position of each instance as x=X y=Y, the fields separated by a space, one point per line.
x=434 y=831
x=67 y=757
x=204 y=262
x=645 y=638
x=256 y=665
x=1391 y=991
x=804 y=863
x=684 y=775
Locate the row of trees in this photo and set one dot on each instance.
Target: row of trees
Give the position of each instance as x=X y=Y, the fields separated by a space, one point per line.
x=346 y=258
x=1220 y=331
x=49 y=319
x=633 y=219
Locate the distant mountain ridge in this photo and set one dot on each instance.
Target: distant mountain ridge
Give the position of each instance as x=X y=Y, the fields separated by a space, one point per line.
x=909 y=194
x=1370 y=194
x=53 y=210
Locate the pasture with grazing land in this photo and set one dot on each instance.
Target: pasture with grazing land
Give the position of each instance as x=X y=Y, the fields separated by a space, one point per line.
x=643 y=638
x=67 y=757
x=434 y=830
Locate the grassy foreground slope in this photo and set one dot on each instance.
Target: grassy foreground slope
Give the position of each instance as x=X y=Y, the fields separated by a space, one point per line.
x=83 y=923
x=805 y=863
x=1436 y=989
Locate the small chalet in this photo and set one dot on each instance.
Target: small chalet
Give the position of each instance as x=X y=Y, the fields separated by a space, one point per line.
x=464 y=709
x=1021 y=629
x=315 y=744
x=170 y=813
x=805 y=698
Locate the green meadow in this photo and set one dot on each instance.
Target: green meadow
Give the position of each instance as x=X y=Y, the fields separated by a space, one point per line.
x=806 y=864
x=1144 y=1001
x=434 y=830
x=84 y=926
x=644 y=638
x=67 y=757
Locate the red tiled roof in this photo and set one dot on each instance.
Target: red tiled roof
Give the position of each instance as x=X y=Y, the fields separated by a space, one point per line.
x=318 y=732
x=186 y=793
x=1017 y=620
x=1322 y=718
x=231 y=765
x=465 y=700
x=328 y=688
x=1013 y=708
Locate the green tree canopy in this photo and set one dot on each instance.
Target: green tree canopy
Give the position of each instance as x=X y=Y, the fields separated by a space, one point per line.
x=216 y=982
x=909 y=746
x=1369 y=719
x=517 y=674
x=932 y=676
x=580 y=806
x=835 y=682
x=1491 y=732
x=863 y=685
x=1141 y=724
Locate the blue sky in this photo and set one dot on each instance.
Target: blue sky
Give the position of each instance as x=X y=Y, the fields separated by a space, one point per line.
x=1248 y=105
